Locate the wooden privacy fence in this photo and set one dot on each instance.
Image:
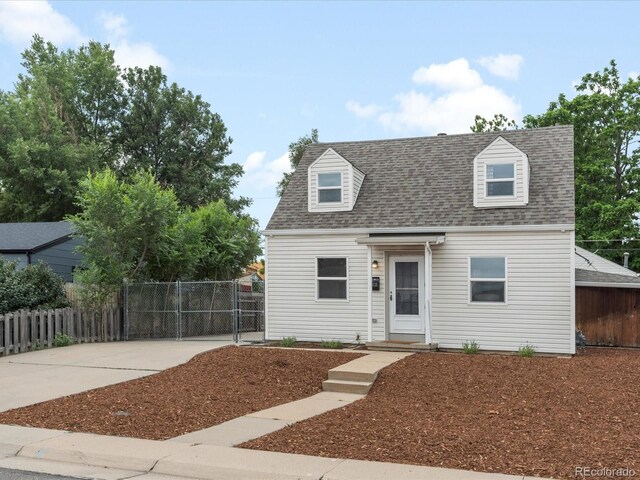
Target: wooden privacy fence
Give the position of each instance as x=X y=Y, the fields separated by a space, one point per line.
x=609 y=316
x=26 y=330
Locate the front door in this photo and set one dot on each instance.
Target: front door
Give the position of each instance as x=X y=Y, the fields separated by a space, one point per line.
x=406 y=294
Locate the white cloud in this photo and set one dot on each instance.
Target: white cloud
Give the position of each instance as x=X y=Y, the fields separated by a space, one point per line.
x=263 y=175
x=433 y=111
x=633 y=74
x=127 y=53
x=362 y=111
x=455 y=75
x=503 y=65
x=19 y=21
x=254 y=161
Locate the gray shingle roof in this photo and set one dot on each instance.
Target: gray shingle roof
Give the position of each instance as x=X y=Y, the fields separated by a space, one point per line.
x=428 y=182
x=29 y=236
x=604 y=277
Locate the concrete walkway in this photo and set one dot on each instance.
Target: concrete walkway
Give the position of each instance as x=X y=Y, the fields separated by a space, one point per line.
x=117 y=458
x=360 y=372
x=58 y=372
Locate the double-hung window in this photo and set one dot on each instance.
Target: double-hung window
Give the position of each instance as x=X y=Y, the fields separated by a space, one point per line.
x=331 y=278
x=330 y=187
x=488 y=279
x=501 y=180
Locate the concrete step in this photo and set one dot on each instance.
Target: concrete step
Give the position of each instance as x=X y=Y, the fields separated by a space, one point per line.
x=353 y=375
x=402 y=347
x=346 y=386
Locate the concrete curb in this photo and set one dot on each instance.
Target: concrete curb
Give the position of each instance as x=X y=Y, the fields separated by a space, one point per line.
x=160 y=460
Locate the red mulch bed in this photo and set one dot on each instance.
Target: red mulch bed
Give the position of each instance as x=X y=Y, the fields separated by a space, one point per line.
x=212 y=388
x=538 y=416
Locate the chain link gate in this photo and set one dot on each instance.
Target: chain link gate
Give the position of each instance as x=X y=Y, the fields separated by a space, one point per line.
x=207 y=310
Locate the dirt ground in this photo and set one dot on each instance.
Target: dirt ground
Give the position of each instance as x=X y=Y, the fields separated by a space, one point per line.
x=212 y=388
x=540 y=416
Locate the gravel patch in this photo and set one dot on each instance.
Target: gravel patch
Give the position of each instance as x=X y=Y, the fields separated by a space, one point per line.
x=210 y=389
x=540 y=416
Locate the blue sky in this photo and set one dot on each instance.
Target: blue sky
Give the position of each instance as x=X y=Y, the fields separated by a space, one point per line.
x=353 y=70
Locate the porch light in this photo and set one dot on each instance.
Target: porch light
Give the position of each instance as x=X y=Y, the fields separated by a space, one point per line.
x=374 y=264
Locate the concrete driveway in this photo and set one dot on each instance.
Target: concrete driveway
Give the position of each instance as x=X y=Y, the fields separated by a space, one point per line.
x=33 y=377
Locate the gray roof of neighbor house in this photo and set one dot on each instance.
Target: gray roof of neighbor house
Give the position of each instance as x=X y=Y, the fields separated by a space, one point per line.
x=428 y=182
x=29 y=236
x=591 y=276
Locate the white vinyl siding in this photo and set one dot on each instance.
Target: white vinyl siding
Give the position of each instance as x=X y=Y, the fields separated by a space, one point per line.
x=358 y=178
x=501 y=152
x=331 y=162
x=292 y=306
x=539 y=276
x=540 y=290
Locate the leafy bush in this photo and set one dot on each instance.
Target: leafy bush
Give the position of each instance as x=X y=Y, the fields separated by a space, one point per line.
x=288 y=342
x=35 y=286
x=331 y=344
x=62 y=340
x=527 y=350
x=470 y=347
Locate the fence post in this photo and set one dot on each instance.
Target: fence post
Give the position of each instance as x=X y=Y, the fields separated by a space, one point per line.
x=179 y=311
x=234 y=289
x=125 y=333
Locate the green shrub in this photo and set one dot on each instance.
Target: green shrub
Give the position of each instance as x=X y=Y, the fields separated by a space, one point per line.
x=35 y=286
x=527 y=350
x=470 y=347
x=62 y=340
x=288 y=342
x=330 y=344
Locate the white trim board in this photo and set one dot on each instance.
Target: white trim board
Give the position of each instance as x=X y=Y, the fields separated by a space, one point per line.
x=562 y=227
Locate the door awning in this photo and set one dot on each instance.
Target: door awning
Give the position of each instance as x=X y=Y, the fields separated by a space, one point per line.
x=401 y=240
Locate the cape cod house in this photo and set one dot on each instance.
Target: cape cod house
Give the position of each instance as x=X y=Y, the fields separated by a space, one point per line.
x=436 y=240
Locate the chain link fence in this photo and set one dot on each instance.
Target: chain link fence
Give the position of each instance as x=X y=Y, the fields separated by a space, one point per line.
x=223 y=310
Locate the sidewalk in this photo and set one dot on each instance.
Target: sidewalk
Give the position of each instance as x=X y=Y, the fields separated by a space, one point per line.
x=116 y=458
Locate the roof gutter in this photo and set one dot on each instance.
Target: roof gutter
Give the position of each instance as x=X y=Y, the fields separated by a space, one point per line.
x=607 y=284
x=421 y=230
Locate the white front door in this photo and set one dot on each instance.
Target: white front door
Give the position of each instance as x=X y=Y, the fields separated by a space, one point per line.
x=406 y=294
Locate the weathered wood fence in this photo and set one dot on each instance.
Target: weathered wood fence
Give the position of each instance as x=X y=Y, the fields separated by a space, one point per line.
x=609 y=316
x=26 y=330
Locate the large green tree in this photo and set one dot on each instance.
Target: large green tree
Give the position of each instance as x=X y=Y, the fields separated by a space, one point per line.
x=75 y=111
x=175 y=135
x=605 y=115
x=296 y=150
x=54 y=127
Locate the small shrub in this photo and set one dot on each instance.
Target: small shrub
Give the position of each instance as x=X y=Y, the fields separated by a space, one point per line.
x=527 y=350
x=470 y=347
x=330 y=344
x=62 y=340
x=37 y=345
x=288 y=342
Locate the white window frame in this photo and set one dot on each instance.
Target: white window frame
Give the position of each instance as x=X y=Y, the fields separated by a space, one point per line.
x=488 y=180
x=505 y=280
x=318 y=188
x=317 y=280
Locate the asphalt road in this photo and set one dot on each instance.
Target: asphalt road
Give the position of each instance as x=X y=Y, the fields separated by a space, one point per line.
x=19 y=475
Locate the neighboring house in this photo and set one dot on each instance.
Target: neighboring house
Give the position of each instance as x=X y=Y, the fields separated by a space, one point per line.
x=250 y=274
x=607 y=301
x=437 y=240
x=594 y=271
x=49 y=242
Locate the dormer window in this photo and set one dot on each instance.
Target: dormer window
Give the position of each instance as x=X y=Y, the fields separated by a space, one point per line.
x=330 y=187
x=500 y=176
x=334 y=183
x=500 y=180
